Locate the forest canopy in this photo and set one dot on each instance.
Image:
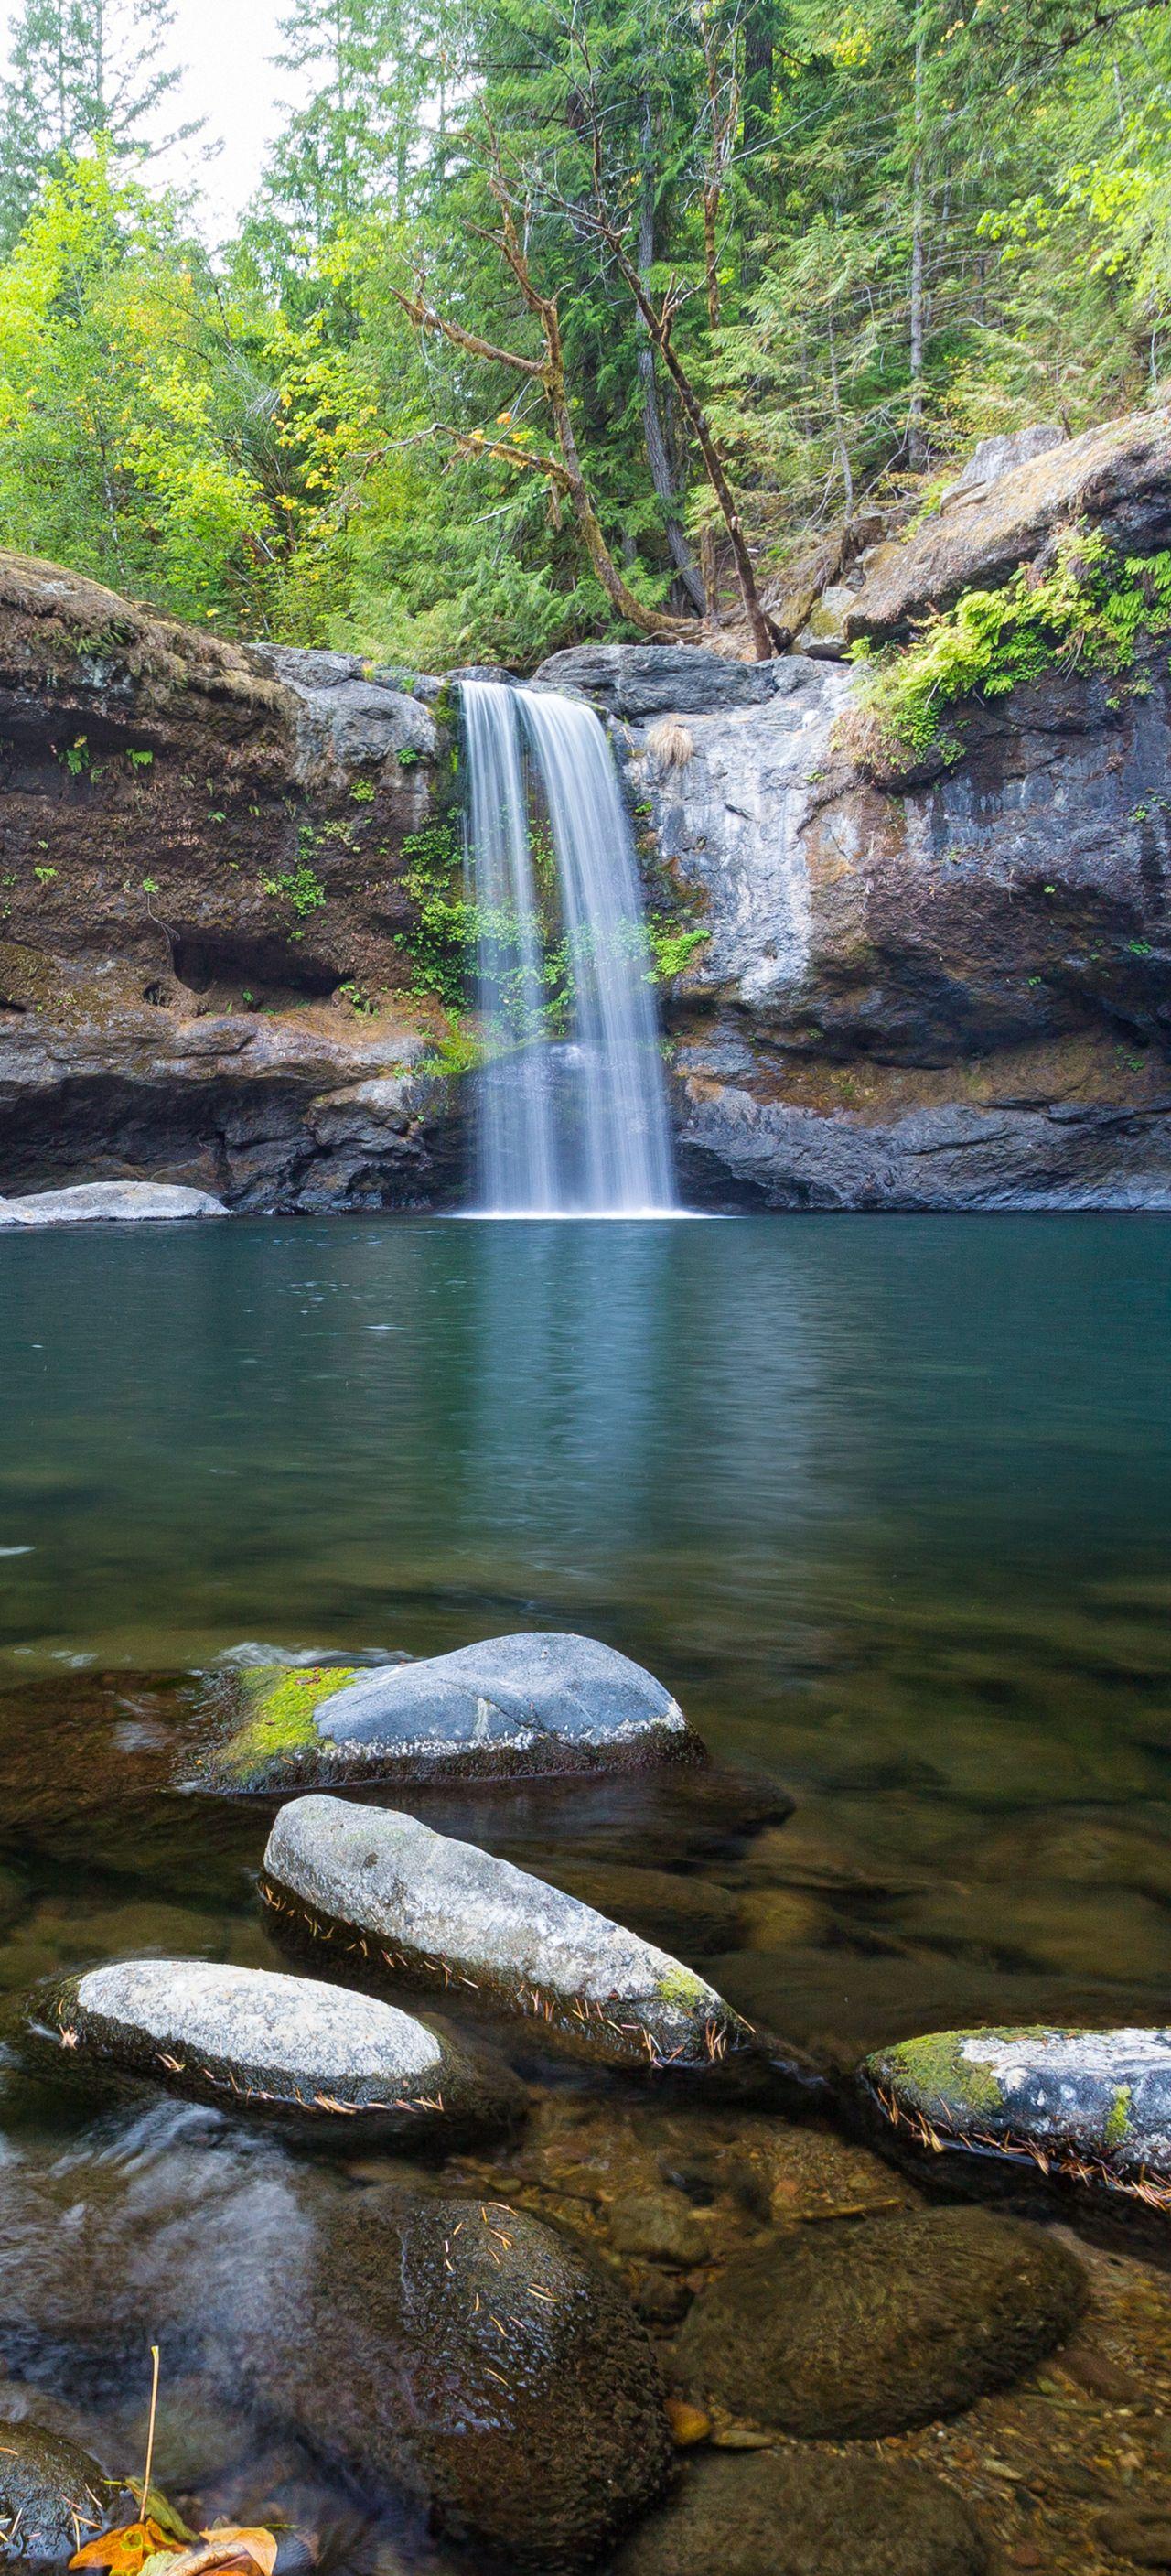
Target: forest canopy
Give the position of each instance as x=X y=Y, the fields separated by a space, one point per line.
x=555 y=320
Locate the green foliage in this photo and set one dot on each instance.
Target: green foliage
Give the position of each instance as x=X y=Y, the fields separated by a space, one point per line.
x=1090 y=609
x=673 y=945
x=300 y=886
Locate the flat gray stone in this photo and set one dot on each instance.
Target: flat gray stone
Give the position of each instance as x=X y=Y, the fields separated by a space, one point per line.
x=525 y=1704
x=1094 y=2105
x=110 y=1202
x=638 y=680
x=437 y=1909
x=244 y=2039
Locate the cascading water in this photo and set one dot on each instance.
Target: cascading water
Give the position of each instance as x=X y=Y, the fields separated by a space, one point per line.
x=577 y=1127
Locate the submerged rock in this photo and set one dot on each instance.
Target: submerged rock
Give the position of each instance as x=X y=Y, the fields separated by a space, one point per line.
x=797 y=2513
x=320 y=2058
x=107 y=1202
x=391 y=1898
x=463 y=2351
x=53 y=2496
x=1092 y=2106
x=508 y=1708
x=849 y=2330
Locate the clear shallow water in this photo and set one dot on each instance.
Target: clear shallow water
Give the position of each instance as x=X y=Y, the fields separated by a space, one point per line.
x=888 y=1504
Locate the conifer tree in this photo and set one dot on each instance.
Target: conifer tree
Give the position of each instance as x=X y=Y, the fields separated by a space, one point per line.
x=80 y=71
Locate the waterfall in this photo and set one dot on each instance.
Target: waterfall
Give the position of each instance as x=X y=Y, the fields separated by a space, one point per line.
x=576 y=1124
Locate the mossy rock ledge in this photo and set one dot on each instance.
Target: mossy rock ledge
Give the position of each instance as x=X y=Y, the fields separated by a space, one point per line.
x=381 y=1897
x=509 y=1708
x=320 y=2060
x=1090 y=2107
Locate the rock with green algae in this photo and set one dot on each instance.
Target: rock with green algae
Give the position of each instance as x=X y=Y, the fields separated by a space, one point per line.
x=510 y=1708
x=793 y=2512
x=52 y=2497
x=386 y=1897
x=1091 y=2106
x=329 y=2064
x=855 y=2329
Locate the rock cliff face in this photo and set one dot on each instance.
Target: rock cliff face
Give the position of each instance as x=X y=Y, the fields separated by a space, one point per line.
x=944 y=988
x=201 y=861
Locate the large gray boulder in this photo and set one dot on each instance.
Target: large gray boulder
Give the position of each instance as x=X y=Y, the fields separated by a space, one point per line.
x=634 y=681
x=851 y=2330
x=110 y=1202
x=511 y=1707
x=349 y=718
x=1117 y=478
x=421 y=1906
x=53 y=2496
x=1091 y=2106
x=320 y=2059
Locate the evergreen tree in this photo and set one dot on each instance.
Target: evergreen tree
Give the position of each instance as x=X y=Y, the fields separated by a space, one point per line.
x=81 y=71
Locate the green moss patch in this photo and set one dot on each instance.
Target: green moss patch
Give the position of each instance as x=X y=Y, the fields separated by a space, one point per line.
x=1093 y=611
x=943 y=2075
x=279 y=1708
x=1118 y=2117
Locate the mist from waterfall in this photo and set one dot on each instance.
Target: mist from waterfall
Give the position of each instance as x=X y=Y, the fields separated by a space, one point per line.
x=574 y=1125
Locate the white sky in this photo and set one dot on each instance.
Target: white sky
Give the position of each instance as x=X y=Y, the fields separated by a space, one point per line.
x=230 y=81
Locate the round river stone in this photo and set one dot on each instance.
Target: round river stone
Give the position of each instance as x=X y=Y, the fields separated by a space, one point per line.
x=52 y=2496
x=321 y=2057
x=794 y=2513
x=849 y=2329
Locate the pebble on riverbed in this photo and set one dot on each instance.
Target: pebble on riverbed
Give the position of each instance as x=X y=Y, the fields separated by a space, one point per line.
x=389 y=1897
x=511 y=1708
x=800 y=2513
x=320 y=2059
x=52 y=2496
x=1091 y=2106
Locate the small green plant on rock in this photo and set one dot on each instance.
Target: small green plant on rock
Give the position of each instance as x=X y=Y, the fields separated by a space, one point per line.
x=1091 y=610
x=300 y=886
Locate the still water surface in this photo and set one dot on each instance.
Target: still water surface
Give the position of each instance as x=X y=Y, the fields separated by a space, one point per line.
x=887 y=1503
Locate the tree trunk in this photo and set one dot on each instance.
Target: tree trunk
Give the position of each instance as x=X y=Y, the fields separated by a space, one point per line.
x=916 y=441
x=652 y=422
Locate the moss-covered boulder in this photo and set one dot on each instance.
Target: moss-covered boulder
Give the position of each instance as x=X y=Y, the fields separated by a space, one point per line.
x=53 y=2496
x=1092 y=2107
x=798 y=2513
x=461 y=2352
x=376 y=1893
x=848 y=2330
x=510 y=1708
x=319 y=2059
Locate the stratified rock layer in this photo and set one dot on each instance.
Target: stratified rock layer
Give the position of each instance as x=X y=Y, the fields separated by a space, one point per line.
x=1092 y=2106
x=387 y=1895
x=511 y=1707
x=321 y=2059
x=848 y=2330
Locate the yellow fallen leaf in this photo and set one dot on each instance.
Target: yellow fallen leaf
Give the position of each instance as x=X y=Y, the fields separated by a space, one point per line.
x=126 y=2548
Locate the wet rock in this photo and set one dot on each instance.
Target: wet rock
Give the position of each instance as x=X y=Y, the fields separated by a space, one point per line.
x=52 y=2496
x=326 y=2061
x=1144 y=2538
x=110 y=1202
x=791 y=2513
x=643 y=680
x=1094 y=2106
x=508 y=1708
x=464 y=2352
x=420 y=1906
x=853 y=2329
x=658 y=2227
